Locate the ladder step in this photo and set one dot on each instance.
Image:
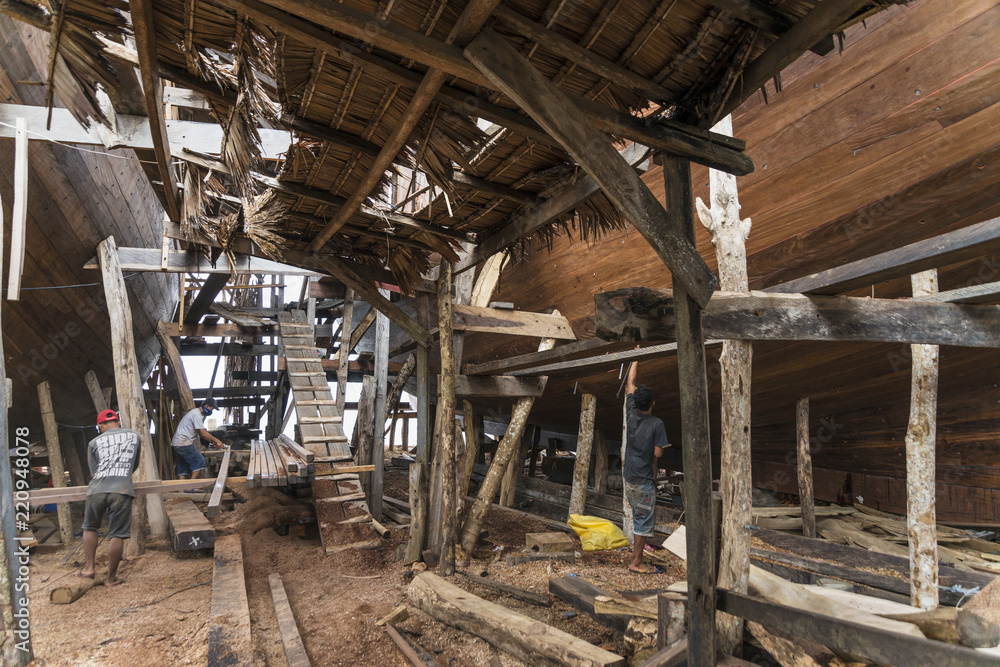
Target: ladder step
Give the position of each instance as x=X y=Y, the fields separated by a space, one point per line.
x=320 y=420
x=342 y=499
x=316 y=401
x=358 y=519
x=324 y=438
x=301 y=347
x=302 y=374
x=293 y=325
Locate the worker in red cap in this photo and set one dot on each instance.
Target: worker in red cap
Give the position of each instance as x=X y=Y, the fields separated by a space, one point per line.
x=113 y=456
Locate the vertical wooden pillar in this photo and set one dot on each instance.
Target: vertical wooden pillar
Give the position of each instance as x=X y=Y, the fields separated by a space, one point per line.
x=96 y=393
x=446 y=451
x=536 y=439
x=584 y=445
x=505 y=451
x=80 y=445
x=805 y=467
x=344 y=353
x=628 y=523
x=364 y=431
x=729 y=233
x=13 y=604
x=419 y=495
x=600 y=463
x=176 y=364
x=381 y=386
x=73 y=463
x=130 y=403
x=921 y=438
x=472 y=444
x=19 y=212
x=693 y=384
x=405 y=445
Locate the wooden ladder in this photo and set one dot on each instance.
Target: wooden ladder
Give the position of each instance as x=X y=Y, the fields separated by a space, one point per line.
x=341 y=510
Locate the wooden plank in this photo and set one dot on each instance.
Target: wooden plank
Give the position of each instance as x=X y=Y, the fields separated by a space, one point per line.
x=967 y=243
x=226 y=330
x=19 y=213
x=344 y=354
x=189 y=529
x=220 y=485
x=493 y=386
x=642 y=314
x=206 y=297
x=56 y=467
x=516 y=77
x=581 y=594
x=804 y=468
x=176 y=367
x=374 y=489
x=513 y=322
x=291 y=640
x=525 y=638
x=190 y=261
x=229 y=641
x=512 y=591
x=131 y=406
x=860 y=639
x=416 y=655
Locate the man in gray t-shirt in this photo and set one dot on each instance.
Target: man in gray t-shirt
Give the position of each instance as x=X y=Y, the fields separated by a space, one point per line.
x=113 y=457
x=647 y=439
x=190 y=461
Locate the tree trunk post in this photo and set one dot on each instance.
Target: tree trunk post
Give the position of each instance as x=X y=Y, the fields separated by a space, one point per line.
x=379 y=412
x=584 y=445
x=446 y=451
x=505 y=451
x=805 y=467
x=921 y=438
x=628 y=522
x=57 y=468
x=600 y=463
x=345 y=349
x=471 y=443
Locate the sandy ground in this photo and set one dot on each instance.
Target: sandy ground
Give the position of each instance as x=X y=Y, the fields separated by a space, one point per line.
x=160 y=615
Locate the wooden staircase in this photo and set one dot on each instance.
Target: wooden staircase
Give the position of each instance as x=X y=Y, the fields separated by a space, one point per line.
x=341 y=509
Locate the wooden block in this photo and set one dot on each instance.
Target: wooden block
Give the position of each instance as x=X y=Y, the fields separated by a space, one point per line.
x=73 y=591
x=549 y=542
x=397 y=615
x=519 y=559
x=978 y=620
x=189 y=529
x=295 y=651
x=582 y=594
x=229 y=643
x=220 y=486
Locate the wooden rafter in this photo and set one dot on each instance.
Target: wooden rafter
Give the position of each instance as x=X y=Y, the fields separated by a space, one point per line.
x=145 y=39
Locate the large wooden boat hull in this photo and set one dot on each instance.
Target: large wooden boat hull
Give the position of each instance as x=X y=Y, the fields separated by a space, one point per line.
x=76 y=198
x=895 y=140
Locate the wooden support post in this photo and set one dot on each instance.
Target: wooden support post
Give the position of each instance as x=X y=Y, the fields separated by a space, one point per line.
x=96 y=393
x=509 y=482
x=345 y=337
x=536 y=439
x=130 y=403
x=805 y=468
x=505 y=451
x=446 y=451
x=379 y=412
x=19 y=217
x=628 y=521
x=729 y=233
x=695 y=443
x=364 y=429
x=56 y=467
x=600 y=462
x=584 y=445
x=921 y=440
x=77 y=477
x=471 y=443
x=176 y=367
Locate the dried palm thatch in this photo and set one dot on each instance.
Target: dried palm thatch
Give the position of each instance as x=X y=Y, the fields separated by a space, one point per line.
x=259 y=219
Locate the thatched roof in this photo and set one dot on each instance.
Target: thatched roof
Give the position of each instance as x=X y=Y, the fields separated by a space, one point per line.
x=270 y=63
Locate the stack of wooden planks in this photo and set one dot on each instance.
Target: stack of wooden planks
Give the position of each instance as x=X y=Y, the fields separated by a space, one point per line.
x=279 y=462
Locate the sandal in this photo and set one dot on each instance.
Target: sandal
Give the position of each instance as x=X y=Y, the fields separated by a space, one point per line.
x=646 y=568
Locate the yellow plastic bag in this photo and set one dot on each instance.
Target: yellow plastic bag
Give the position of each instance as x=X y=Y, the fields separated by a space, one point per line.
x=597 y=534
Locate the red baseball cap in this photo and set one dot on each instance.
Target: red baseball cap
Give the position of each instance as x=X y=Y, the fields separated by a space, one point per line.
x=107 y=416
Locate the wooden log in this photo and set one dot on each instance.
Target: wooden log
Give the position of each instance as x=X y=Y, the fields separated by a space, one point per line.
x=853 y=636
x=96 y=393
x=345 y=337
x=131 y=406
x=379 y=412
x=628 y=521
x=416 y=655
x=173 y=356
x=921 y=441
x=670 y=656
x=581 y=594
x=804 y=468
x=291 y=640
x=212 y=511
x=189 y=529
x=939 y=624
x=697 y=453
x=525 y=638
x=504 y=454
x=494 y=386
x=229 y=641
x=19 y=212
x=397 y=615
x=978 y=620
x=69 y=593
x=785 y=651
x=552 y=109
x=364 y=427
x=447 y=450
x=729 y=233
x=584 y=444
x=670 y=613
x=471 y=443
x=511 y=322
x=513 y=591
x=56 y=467
x=641 y=314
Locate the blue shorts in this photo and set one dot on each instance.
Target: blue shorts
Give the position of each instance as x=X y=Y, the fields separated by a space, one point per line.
x=188 y=459
x=642 y=498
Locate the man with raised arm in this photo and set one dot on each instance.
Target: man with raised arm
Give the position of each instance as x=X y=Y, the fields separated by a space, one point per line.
x=646 y=440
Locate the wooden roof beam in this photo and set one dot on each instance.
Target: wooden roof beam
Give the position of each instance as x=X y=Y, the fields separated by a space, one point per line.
x=471 y=182
x=824 y=19
x=768 y=19
x=145 y=40
x=469 y=22
x=553 y=110
x=585 y=58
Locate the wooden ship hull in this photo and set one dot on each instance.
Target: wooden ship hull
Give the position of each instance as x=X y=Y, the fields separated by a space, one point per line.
x=76 y=199
x=893 y=141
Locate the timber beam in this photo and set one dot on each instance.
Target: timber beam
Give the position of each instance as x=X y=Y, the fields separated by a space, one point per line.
x=642 y=314
x=552 y=109
x=191 y=261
